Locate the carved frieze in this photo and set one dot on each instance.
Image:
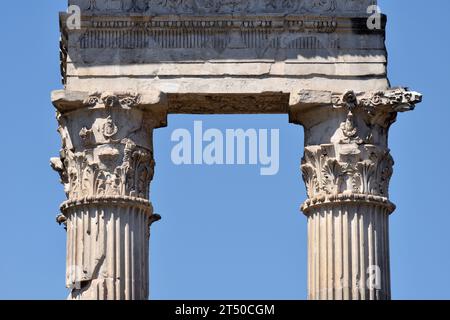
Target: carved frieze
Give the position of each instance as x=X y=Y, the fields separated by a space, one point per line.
x=183 y=32
x=223 y=6
x=309 y=33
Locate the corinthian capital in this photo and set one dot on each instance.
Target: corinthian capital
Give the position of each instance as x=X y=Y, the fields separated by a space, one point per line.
x=107 y=146
x=346 y=151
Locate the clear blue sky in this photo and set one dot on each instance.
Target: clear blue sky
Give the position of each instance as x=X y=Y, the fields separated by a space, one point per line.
x=227 y=232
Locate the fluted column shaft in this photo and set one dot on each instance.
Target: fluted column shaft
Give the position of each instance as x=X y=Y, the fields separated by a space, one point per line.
x=106 y=165
x=348 y=252
x=107 y=248
x=347 y=167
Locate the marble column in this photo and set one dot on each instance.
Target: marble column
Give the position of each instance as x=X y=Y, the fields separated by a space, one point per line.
x=106 y=165
x=346 y=167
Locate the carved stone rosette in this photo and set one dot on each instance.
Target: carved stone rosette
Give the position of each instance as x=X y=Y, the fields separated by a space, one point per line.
x=347 y=167
x=106 y=165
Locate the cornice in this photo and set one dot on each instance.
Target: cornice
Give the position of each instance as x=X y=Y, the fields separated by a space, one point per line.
x=300 y=23
x=400 y=99
x=373 y=103
x=66 y=101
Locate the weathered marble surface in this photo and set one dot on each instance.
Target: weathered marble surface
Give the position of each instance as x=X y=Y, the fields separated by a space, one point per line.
x=152 y=7
x=237 y=46
x=347 y=167
x=106 y=165
x=133 y=62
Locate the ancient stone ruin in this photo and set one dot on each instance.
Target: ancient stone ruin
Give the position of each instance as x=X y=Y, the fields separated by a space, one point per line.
x=130 y=63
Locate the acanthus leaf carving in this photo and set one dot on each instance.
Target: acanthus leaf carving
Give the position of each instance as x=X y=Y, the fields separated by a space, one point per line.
x=385 y=173
x=85 y=177
x=332 y=176
x=111 y=153
x=364 y=178
x=327 y=172
x=138 y=168
x=310 y=178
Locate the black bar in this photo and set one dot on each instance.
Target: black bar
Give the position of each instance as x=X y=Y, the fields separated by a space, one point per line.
x=182 y=310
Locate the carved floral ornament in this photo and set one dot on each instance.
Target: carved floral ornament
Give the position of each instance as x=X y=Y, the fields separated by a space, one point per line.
x=223 y=6
x=109 y=100
x=106 y=171
x=105 y=161
x=398 y=100
x=367 y=172
x=380 y=107
x=117 y=172
x=360 y=178
x=353 y=168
